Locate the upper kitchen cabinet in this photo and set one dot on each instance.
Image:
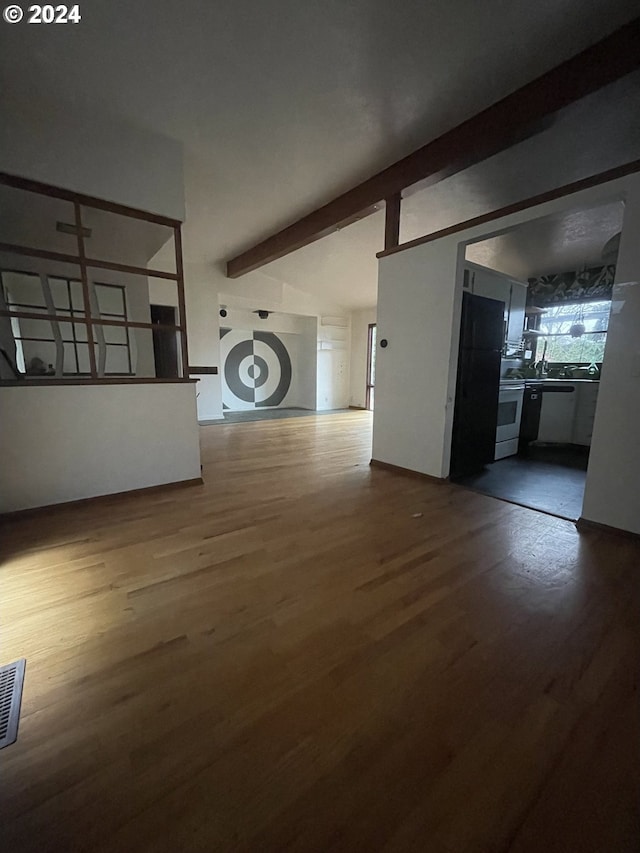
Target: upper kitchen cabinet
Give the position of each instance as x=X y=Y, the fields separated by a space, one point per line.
x=495 y=285
x=516 y=312
x=485 y=282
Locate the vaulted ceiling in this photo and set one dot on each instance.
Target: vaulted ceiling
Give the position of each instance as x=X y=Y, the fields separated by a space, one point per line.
x=282 y=105
x=562 y=243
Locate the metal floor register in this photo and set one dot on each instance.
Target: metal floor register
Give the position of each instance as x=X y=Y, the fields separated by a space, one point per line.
x=11 y=680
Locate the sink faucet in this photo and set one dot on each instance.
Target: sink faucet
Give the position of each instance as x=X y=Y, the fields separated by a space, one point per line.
x=541 y=369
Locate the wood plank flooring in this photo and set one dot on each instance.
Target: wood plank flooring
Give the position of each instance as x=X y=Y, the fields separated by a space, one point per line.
x=286 y=659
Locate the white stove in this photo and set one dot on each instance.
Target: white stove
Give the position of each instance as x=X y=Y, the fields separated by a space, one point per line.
x=510 y=400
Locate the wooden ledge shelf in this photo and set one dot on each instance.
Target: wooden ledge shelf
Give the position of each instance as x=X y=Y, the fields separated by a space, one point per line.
x=111 y=380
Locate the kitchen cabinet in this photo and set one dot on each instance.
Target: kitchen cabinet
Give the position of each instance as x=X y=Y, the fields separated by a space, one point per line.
x=517 y=305
x=567 y=418
x=557 y=416
x=585 y=412
x=494 y=285
x=484 y=282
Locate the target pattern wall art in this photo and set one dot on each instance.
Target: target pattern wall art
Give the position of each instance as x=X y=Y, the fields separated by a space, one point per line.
x=256 y=369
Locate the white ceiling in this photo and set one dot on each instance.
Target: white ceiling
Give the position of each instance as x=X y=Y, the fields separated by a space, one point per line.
x=553 y=244
x=282 y=105
x=598 y=133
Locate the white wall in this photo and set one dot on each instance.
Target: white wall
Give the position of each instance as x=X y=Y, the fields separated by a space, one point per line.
x=298 y=334
x=203 y=336
x=7 y=343
x=360 y=321
x=332 y=380
x=137 y=297
x=65 y=443
x=612 y=493
x=207 y=289
x=162 y=291
x=125 y=164
x=419 y=299
x=208 y=396
x=91 y=154
x=332 y=388
x=417 y=305
x=278 y=322
x=319 y=352
x=308 y=365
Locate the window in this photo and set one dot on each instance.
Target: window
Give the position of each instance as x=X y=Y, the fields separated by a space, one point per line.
x=371 y=366
x=115 y=340
x=78 y=278
x=555 y=327
x=54 y=347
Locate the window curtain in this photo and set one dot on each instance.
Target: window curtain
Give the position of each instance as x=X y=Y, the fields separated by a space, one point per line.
x=591 y=283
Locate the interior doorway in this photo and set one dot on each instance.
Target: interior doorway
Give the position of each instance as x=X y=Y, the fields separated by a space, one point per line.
x=371 y=366
x=531 y=356
x=165 y=341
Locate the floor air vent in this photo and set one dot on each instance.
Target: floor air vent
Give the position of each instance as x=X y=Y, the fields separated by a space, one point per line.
x=11 y=678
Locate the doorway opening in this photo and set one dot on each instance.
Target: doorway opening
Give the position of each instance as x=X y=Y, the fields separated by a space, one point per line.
x=371 y=366
x=165 y=342
x=536 y=304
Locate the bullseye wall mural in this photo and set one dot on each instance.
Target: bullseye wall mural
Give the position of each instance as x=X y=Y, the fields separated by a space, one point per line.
x=256 y=369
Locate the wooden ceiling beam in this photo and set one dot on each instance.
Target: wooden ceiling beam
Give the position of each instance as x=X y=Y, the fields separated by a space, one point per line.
x=508 y=121
x=392 y=221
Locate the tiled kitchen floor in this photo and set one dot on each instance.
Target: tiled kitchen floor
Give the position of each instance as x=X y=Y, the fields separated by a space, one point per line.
x=550 y=478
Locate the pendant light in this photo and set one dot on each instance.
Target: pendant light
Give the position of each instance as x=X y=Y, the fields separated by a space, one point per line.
x=578 y=328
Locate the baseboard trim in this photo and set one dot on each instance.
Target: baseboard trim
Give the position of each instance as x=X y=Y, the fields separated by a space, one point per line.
x=584 y=524
x=359 y=408
x=407 y=472
x=130 y=493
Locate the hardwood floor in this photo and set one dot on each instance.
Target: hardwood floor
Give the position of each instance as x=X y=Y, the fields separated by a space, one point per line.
x=286 y=659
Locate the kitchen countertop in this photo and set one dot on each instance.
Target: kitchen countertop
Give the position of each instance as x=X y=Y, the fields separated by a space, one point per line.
x=563 y=381
x=510 y=381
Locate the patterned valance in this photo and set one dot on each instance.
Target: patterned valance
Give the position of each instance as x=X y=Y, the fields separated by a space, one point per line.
x=592 y=283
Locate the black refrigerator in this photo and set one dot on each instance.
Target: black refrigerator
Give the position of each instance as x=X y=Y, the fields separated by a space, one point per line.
x=475 y=414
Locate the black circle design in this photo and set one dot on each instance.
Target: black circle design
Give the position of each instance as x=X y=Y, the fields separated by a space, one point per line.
x=253 y=362
x=280 y=351
x=232 y=371
x=263 y=371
